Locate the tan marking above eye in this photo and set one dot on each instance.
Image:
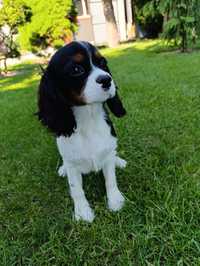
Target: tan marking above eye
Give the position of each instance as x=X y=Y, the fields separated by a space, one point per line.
x=78 y=57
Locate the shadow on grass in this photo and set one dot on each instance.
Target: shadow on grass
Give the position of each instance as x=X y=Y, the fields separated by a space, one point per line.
x=150 y=47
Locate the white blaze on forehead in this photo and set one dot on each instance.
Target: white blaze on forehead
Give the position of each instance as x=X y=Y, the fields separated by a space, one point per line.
x=93 y=91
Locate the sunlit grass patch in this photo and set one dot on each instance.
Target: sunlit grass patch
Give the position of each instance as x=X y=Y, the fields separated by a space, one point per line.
x=25 y=84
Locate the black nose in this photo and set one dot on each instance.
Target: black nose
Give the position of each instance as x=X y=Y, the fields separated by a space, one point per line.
x=105 y=80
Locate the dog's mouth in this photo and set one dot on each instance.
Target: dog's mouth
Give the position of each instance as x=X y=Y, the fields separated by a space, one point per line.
x=99 y=97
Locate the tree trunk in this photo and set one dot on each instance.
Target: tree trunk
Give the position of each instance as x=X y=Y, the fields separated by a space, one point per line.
x=5 y=65
x=112 y=31
x=165 y=19
x=183 y=41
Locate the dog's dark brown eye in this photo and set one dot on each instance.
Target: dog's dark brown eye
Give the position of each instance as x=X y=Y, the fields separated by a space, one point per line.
x=77 y=70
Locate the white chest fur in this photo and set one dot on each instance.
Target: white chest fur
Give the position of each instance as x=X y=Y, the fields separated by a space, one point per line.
x=91 y=144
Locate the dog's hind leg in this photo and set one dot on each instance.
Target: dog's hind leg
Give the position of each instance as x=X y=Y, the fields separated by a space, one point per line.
x=119 y=162
x=62 y=171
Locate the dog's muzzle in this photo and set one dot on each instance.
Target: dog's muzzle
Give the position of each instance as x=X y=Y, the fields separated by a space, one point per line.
x=105 y=81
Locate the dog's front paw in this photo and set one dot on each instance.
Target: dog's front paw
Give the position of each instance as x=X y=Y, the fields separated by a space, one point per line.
x=83 y=212
x=62 y=171
x=116 y=201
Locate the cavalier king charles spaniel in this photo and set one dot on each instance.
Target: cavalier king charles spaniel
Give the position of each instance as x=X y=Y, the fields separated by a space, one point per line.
x=75 y=93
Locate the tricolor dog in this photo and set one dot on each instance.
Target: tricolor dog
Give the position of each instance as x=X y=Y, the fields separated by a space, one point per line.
x=75 y=93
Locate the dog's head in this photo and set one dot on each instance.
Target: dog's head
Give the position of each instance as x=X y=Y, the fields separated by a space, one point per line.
x=76 y=75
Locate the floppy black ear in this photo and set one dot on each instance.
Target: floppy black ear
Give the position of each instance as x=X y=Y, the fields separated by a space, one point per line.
x=53 y=112
x=115 y=105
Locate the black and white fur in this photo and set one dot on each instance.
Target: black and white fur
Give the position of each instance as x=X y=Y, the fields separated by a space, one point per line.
x=74 y=93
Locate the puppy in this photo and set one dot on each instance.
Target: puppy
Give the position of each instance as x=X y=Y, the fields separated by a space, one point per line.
x=74 y=93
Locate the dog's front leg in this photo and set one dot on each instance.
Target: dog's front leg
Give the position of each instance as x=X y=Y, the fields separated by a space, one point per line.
x=115 y=198
x=82 y=210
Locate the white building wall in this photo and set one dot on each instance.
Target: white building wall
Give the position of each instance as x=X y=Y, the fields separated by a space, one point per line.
x=99 y=22
x=120 y=11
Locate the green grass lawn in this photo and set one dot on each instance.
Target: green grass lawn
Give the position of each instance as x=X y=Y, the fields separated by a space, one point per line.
x=160 y=139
